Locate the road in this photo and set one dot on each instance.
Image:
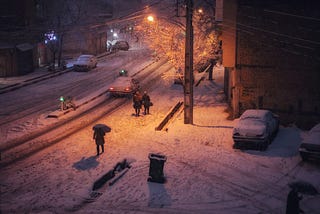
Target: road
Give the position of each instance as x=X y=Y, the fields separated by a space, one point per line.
x=27 y=104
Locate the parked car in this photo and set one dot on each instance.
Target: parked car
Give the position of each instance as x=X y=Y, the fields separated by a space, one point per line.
x=310 y=146
x=124 y=86
x=85 y=63
x=255 y=130
x=119 y=45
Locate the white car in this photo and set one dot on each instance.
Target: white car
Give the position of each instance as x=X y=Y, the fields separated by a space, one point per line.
x=255 y=130
x=124 y=86
x=85 y=63
x=310 y=147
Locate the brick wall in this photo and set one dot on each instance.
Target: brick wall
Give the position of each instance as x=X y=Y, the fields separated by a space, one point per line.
x=278 y=60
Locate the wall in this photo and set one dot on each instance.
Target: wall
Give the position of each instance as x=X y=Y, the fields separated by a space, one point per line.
x=7 y=66
x=229 y=32
x=277 y=60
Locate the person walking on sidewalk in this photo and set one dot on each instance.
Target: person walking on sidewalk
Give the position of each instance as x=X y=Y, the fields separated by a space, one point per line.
x=146 y=102
x=98 y=136
x=137 y=103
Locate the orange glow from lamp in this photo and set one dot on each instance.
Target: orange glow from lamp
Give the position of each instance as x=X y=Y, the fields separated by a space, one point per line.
x=150 y=18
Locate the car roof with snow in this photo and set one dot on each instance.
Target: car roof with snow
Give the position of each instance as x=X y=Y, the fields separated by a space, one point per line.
x=122 y=81
x=313 y=135
x=254 y=113
x=86 y=56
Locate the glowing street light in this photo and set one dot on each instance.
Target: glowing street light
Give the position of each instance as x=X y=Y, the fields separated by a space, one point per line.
x=50 y=37
x=188 y=73
x=150 y=18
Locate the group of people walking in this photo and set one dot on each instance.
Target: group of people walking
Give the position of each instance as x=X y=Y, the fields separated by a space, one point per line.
x=141 y=100
x=138 y=101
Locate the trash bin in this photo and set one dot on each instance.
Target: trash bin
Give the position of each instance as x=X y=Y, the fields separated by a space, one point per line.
x=156 y=168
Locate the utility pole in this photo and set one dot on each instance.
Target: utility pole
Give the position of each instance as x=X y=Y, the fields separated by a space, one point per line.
x=188 y=73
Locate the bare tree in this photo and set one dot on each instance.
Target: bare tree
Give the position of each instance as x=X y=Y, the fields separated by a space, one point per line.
x=60 y=16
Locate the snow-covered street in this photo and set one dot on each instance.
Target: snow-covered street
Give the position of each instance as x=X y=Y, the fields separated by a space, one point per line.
x=204 y=173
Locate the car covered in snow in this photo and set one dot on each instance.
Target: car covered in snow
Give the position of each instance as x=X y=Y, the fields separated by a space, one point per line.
x=119 y=45
x=85 y=63
x=124 y=85
x=255 y=129
x=310 y=146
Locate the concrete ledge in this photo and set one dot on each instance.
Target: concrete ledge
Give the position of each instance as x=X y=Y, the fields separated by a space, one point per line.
x=169 y=116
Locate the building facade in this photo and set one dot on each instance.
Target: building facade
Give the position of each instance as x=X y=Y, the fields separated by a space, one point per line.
x=271 y=51
x=24 y=23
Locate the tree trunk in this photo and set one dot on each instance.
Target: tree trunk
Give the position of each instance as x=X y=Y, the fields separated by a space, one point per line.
x=60 y=51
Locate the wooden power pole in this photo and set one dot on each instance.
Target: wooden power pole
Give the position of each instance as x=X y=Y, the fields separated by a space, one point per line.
x=188 y=74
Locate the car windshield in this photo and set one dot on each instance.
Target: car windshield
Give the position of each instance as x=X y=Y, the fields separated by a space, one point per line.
x=252 y=118
x=251 y=121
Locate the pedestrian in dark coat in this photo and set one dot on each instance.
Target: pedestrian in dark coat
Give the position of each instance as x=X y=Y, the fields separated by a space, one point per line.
x=293 y=200
x=137 y=103
x=146 y=102
x=98 y=136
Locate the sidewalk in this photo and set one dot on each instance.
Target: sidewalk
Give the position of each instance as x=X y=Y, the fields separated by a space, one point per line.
x=6 y=81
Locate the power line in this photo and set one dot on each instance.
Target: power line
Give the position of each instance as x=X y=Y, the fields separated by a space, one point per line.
x=293 y=15
x=273 y=45
x=271 y=32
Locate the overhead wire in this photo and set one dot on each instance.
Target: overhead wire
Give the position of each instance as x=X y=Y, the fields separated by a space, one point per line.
x=273 y=45
x=292 y=15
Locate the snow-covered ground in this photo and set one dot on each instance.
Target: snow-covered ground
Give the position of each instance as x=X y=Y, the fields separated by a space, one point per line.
x=203 y=173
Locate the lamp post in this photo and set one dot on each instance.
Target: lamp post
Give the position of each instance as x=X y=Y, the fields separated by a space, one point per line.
x=188 y=73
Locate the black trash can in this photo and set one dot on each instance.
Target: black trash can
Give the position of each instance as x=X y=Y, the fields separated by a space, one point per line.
x=156 y=168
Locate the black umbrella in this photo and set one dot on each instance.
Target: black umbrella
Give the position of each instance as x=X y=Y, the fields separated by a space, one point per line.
x=304 y=187
x=103 y=127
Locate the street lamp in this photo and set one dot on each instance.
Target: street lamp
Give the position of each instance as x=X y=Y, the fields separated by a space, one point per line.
x=150 y=18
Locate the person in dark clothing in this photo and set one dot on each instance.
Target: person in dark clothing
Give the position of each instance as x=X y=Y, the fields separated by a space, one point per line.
x=212 y=64
x=137 y=103
x=98 y=136
x=293 y=202
x=146 y=102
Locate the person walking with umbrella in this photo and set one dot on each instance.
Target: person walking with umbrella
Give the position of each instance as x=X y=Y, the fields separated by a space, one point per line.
x=294 y=197
x=98 y=136
x=293 y=200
